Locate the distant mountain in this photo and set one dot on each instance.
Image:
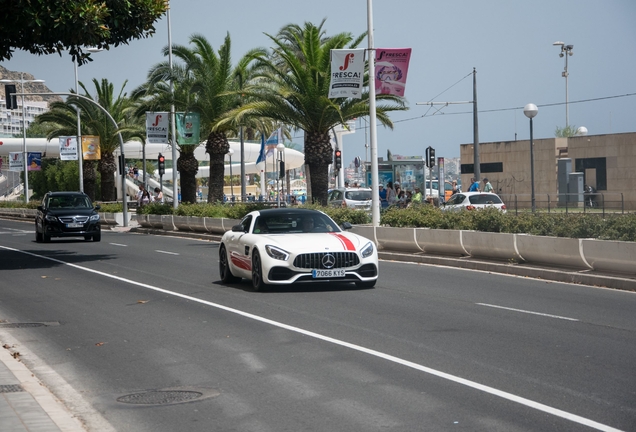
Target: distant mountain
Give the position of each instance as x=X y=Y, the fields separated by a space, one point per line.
x=28 y=87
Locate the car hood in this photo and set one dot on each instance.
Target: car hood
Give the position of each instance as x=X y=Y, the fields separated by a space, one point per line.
x=316 y=242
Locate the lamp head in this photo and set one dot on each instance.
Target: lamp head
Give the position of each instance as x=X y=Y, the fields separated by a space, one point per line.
x=280 y=147
x=530 y=110
x=561 y=55
x=230 y=152
x=558 y=43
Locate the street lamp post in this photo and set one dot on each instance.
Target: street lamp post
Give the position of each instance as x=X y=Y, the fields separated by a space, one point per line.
x=231 y=152
x=566 y=51
x=281 y=167
x=24 y=145
x=531 y=111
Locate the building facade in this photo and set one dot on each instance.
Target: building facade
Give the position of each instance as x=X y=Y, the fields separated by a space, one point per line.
x=606 y=162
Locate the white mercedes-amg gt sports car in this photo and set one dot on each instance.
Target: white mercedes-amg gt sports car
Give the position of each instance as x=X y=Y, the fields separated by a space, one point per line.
x=285 y=246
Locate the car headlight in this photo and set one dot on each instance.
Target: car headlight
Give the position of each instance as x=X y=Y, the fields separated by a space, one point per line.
x=277 y=253
x=95 y=217
x=367 y=250
x=50 y=218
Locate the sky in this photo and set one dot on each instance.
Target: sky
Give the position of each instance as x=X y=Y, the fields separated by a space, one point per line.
x=509 y=43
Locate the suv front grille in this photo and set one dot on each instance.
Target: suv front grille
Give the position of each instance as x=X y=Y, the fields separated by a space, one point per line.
x=314 y=260
x=73 y=219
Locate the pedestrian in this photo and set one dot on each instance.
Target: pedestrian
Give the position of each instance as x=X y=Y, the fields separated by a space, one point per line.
x=382 y=192
x=474 y=185
x=487 y=186
x=401 y=199
x=390 y=194
x=143 y=196
x=417 y=196
x=346 y=184
x=158 y=196
x=455 y=188
x=136 y=173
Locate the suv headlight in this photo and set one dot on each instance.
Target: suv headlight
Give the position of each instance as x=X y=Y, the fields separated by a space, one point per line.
x=277 y=253
x=95 y=217
x=50 y=218
x=367 y=250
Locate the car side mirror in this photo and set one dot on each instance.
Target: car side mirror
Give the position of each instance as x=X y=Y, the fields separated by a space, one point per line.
x=238 y=228
x=40 y=208
x=97 y=207
x=347 y=225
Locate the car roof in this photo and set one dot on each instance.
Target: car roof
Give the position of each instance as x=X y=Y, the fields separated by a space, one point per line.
x=347 y=189
x=478 y=193
x=64 y=193
x=283 y=211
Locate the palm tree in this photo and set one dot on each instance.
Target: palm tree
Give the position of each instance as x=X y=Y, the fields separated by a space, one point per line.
x=63 y=117
x=155 y=95
x=293 y=89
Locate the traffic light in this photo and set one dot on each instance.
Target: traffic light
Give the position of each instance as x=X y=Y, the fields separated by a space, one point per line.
x=12 y=100
x=430 y=157
x=161 y=163
x=337 y=159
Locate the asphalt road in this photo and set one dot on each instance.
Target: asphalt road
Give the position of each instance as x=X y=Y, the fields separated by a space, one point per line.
x=429 y=349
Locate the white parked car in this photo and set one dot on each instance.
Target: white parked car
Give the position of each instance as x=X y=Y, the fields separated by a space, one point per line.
x=356 y=198
x=286 y=246
x=473 y=201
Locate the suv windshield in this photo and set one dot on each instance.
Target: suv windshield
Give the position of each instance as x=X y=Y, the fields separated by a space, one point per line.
x=69 y=201
x=359 y=195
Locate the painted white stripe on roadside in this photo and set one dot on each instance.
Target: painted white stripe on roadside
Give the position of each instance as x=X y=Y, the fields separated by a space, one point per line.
x=118 y=244
x=166 y=252
x=527 y=312
x=486 y=389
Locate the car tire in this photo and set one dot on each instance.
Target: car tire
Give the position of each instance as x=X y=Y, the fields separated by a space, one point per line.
x=257 y=272
x=97 y=237
x=46 y=238
x=224 y=267
x=366 y=284
x=38 y=235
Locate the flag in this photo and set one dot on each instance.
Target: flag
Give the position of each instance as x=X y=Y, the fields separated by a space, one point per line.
x=157 y=127
x=188 y=128
x=34 y=161
x=90 y=147
x=275 y=138
x=68 y=148
x=391 y=67
x=261 y=153
x=347 y=73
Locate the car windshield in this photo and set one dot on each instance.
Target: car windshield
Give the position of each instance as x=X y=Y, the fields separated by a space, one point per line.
x=359 y=195
x=69 y=201
x=294 y=223
x=484 y=199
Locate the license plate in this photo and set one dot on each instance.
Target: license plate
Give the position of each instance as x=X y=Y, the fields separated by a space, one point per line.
x=337 y=273
x=74 y=225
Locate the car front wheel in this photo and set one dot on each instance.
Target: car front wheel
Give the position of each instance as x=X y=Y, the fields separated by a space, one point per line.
x=38 y=235
x=257 y=272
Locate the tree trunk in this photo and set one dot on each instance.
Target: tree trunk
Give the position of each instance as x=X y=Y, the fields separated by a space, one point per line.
x=217 y=147
x=188 y=167
x=89 y=178
x=107 y=168
x=318 y=155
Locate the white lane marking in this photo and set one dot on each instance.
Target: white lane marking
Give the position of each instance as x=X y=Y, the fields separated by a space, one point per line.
x=527 y=312
x=166 y=252
x=486 y=389
x=118 y=244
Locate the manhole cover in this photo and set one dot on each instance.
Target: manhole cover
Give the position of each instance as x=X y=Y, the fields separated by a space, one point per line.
x=21 y=325
x=165 y=397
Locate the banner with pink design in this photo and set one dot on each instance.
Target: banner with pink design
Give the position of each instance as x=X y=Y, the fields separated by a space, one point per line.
x=391 y=67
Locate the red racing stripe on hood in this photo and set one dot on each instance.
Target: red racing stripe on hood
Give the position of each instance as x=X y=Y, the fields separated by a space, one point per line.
x=346 y=243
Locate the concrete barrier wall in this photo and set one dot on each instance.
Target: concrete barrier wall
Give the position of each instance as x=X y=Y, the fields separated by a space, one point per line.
x=554 y=251
x=367 y=231
x=396 y=239
x=182 y=223
x=491 y=245
x=442 y=242
x=610 y=256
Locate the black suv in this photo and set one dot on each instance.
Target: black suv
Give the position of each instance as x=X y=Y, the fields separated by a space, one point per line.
x=67 y=214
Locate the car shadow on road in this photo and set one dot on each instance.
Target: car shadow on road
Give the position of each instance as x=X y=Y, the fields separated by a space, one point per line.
x=32 y=259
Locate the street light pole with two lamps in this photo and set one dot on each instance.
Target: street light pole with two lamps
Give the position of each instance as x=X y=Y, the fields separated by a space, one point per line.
x=231 y=152
x=24 y=127
x=566 y=51
x=531 y=111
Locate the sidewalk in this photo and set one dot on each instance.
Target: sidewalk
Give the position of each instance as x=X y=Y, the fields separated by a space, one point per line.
x=26 y=405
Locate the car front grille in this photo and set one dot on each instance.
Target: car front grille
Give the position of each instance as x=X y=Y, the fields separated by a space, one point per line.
x=73 y=219
x=315 y=260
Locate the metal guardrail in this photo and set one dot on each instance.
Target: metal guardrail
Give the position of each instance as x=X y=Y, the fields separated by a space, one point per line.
x=597 y=202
